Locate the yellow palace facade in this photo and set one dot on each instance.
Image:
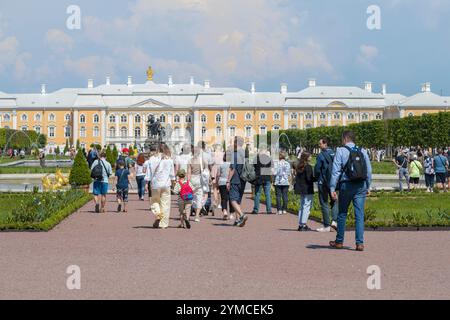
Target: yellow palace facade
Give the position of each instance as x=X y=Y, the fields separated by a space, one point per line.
x=117 y=114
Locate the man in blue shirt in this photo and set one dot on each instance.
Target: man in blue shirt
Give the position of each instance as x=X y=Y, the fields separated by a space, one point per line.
x=440 y=167
x=349 y=191
x=322 y=173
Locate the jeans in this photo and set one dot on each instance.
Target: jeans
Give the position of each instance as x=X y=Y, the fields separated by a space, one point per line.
x=282 y=195
x=429 y=180
x=306 y=202
x=324 y=197
x=258 y=189
x=355 y=192
x=403 y=172
x=140 y=180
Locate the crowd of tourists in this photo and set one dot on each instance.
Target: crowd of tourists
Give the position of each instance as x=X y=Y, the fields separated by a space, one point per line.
x=205 y=181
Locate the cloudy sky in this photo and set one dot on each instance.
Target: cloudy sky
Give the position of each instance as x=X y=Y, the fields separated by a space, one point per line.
x=230 y=42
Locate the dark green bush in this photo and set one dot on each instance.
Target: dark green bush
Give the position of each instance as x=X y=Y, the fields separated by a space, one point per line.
x=80 y=175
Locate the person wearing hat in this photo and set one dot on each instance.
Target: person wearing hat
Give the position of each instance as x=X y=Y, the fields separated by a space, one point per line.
x=184 y=188
x=401 y=161
x=125 y=157
x=415 y=168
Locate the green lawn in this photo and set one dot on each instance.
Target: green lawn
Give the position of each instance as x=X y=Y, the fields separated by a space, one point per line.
x=390 y=209
x=6 y=159
x=31 y=170
x=9 y=201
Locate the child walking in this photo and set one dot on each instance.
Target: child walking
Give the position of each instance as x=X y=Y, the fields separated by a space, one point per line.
x=122 y=181
x=184 y=189
x=304 y=186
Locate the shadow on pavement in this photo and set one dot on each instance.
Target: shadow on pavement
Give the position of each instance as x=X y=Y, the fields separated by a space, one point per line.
x=319 y=247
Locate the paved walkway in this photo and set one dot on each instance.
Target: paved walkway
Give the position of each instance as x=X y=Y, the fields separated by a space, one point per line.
x=121 y=257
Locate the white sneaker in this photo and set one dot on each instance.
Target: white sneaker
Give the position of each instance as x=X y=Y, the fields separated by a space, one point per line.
x=219 y=207
x=334 y=225
x=197 y=220
x=231 y=217
x=323 y=230
x=284 y=212
x=280 y=213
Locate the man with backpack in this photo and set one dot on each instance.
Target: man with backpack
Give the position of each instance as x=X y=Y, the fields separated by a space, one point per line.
x=352 y=177
x=101 y=170
x=322 y=172
x=125 y=157
x=402 y=162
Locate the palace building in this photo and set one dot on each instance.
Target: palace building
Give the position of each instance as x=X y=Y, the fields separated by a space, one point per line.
x=117 y=113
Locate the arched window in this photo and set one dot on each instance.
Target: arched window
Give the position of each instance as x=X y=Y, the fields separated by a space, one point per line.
x=96 y=132
x=7 y=117
x=203 y=118
x=337 y=116
x=37 y=117
x=67 y=117
x=112 y=132
x=248 y=116
x=124 y=118
x=24 y=117
x=308 y=126
x=162 y=119
x=51 y=132
x=294 y=116
x=276 y=116
x=37 y=129
x=323 y=116
x=176 y=119
x=203 y=131
x=293 y=127
x=232 y=116
x=83 y=132
x=96 y=118
x=263 y=130
x=308 y=116
x=218 y=131
x=232 y=132
x=24 y=128
x=188 y=118
x=351 y=116
x=248 y=131
x=137 y=118
x=51 y=117
x=67 y=131
x=365 y=117
x=411 y=115
x=82 y=118
x=112 y=118
x=379 y=116
x=262 y=117
x=137 y=132
x=276 y=127
x=218 y=118
x=123 y=132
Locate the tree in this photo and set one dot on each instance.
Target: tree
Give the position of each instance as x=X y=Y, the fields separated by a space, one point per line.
x=132 y=151
x=109 y=155
x=80 y=175
x=115 y=154
x=57 y=151
x=78 y=146
x=66 y=148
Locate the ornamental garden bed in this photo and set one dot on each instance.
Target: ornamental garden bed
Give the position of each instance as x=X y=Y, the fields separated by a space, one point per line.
x=39 y=211
x=414 y=210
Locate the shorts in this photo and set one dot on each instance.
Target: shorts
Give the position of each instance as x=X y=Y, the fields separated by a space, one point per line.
x=440 y=177
x=414 y=180
x=100 y=188
x=237 y=191
x=122 y=194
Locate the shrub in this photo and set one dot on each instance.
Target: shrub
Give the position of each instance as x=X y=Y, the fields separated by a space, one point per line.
x=115 y=154
x=80 y=175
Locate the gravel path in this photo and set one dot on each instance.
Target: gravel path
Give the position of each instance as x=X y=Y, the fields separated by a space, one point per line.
x=121 y=257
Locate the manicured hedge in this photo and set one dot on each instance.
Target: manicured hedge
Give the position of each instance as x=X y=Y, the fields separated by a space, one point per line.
x=16 y=139
x=430 y=130
x=43 y=211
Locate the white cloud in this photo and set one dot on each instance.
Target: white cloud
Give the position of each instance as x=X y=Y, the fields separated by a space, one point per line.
x=90 y=66
x=58 y=41
x=367 y=55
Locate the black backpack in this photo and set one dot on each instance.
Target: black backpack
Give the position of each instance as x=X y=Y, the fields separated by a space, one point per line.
x=328 y=169
x=356 y=167
x=97 y=171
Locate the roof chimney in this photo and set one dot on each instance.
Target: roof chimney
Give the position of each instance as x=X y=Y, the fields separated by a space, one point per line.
x=284 y=88
x=90 y=83
x=253 y=90
x=312 y=83
x=207 y=84
x=130 y=81
x=192 y=82
x=170 y=81
x=43 y=89
x=383 y=89
x=108 y=81
x=426 y=87
x=368 y=86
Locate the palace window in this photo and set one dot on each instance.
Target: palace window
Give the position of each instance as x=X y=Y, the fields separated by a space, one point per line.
x=308 y=116
x=24 y=128
x=203 y=131
x=379 y=116
x=262 y=117
x=188 y=118
x=323 y=116
x=411 y=114
x=37 y=129
x=293 y=127
x=308 y=126
x=232 y=132
x=24 y=117
x=137 y=132
x=232 y=116
x=82 y=118
x=7 y=117
x=96 y=118
x=51 y=132
x=248 y=116
x=96 y=132
x=176 y=132
x=337 y=116
x=276 y=127
x=263 y=130
x=162 y=119
x=248 y=131
x=276 y=116
x=67 y=117
x=177 y=119
x=203 y=118
x=218 y=131
x=124 y=118
x=351 y=116
x=218 y=118
x=294 y=116
x=137 y=119
x=365 y=117
x=51 y=117
x=112 y=119
x=83 y=132
x=112 y=132
x=37 y=117
x=123 y=132
x=67 y=132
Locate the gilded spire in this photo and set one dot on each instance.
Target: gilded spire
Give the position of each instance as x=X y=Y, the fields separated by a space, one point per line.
x=150 y=74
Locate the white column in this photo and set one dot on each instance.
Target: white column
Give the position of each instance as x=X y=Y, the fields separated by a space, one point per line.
x=402 y=113
x=103 y=130
x=329 y=119
x=75 y=126
x=286 y=119
x=315 y=119
x=197 y=127
x=225 y=126
x=302 y=123
x=344 y=118
x=118 y=125
x=131 y=125
x=14 y=118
